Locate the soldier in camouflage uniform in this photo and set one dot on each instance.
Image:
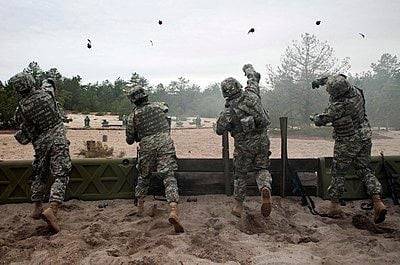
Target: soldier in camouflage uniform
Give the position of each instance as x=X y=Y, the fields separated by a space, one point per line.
x=247 y=121
x=352 y=134
x=148 y=124
x=40 y=124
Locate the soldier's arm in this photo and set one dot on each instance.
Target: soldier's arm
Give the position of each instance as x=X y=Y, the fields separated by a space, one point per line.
x=22 y=135
x=223 y=122
x=333 y=112
x=130 y=131
x=62 y=113
x=253 y=107
x=253 y=79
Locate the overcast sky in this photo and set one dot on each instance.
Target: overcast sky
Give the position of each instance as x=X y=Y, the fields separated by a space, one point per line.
x=204 y=41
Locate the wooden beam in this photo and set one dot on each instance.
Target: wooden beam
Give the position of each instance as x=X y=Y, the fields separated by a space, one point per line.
x=283 y=126
x=225 y=158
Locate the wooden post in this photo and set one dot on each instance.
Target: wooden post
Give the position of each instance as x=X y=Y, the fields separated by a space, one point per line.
x=283 y=125
x=225 y=158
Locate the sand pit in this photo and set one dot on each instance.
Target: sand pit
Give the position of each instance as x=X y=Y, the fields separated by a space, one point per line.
x=115 y=235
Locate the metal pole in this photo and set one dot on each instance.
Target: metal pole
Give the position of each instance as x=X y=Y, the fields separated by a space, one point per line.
x=283 y=125
x=225 y=158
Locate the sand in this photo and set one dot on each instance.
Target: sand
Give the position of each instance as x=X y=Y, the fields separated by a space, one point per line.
x=115 y=235
x=196 y=143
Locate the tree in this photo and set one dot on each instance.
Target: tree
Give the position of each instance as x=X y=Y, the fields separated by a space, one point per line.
x=303 y=61
x=35 y=70
x=382 y=91
x=136 y=79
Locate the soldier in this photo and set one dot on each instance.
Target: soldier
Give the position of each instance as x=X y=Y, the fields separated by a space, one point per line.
x=40 y=124
x=352 y=134
x=247 y=121
x=148 y=124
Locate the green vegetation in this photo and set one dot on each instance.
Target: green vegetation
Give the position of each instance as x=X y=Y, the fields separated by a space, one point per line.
x=288 y=91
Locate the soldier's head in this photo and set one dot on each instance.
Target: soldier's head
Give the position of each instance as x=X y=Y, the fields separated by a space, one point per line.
x=337 y=85
x=22 y=83
x=137 y=95
x=49 y=86
x=230 y=87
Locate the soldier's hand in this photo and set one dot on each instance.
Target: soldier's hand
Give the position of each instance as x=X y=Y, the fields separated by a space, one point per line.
x=247 y=68
x=315 y=84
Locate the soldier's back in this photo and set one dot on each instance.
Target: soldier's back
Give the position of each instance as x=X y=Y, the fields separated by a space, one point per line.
x=39 y=112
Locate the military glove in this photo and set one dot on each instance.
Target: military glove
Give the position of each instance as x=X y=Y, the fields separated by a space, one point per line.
x=248 y=68
x=319 y=82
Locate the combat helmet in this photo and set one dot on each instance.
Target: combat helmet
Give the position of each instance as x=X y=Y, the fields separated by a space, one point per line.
x=137 y=94
x=23 y=83
x=230 y=87
x=337 y=85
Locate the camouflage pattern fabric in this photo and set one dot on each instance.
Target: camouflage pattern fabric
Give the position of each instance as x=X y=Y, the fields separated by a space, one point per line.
x=352 y=134
x=251 y=154
x=247 y=121
x=157 y=152
x=41 y=124
x=52 y=159
x=357 y=151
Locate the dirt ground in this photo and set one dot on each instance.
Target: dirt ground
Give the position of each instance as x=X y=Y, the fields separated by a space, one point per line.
x=196 y=143
x=115 y=235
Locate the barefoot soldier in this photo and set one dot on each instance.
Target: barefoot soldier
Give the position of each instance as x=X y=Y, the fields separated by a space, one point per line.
x=148 y=125
x=247 y=121
x=41 y=124
x=352 y=134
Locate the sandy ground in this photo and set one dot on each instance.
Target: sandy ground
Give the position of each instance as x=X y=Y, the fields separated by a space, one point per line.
x=195 y=143
x=95 y=121
x=115 y=235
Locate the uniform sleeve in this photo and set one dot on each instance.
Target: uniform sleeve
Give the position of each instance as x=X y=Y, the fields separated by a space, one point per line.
x=130 y=130
x=61 y=111
x=23 y=136
x=18 y=116
x=253 y=107
x=223 y=122
x=253 y=81
x=333 y=112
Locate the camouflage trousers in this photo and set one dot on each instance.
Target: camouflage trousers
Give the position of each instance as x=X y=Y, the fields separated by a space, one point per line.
x=157 y=154
x=51 y=160
x=251 y=154
x=356 y=151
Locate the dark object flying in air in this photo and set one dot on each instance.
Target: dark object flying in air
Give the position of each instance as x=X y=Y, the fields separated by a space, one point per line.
x=318 y=22
x=251 y=31
x=151 y=42
x=89 y=44
x=159 y=22
x=362 y=35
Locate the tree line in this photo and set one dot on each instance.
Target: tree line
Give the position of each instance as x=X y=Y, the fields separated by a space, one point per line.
x=287 y=91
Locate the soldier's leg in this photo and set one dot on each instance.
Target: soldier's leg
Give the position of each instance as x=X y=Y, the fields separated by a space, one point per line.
x=166 y=167
x=364 y=171
x=142 y=186
x=263 y=176
x=60 y=168
x=38 y=186
x=374 y=187
x=343 y=155
x=242 y=161
x=262 y=164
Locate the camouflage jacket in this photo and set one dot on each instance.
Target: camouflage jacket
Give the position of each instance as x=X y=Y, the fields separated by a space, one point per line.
x=37 y=116
x=347 y=115
x=147 y=119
